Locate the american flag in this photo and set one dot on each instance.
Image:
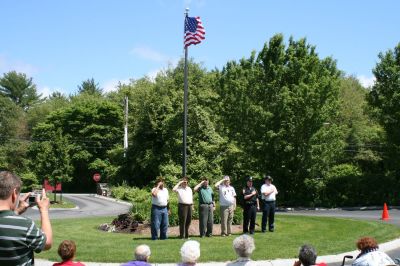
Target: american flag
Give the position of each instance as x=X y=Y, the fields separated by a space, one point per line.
x=194 y=31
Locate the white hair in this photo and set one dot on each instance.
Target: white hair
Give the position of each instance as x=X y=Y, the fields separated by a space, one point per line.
x=190 y=251
x=142 y=252
x=243 y=245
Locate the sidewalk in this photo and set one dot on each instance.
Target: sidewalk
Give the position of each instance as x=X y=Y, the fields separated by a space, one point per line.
x=278 y=262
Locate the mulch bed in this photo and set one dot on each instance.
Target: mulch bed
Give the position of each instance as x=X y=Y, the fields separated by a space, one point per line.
x=125 y=224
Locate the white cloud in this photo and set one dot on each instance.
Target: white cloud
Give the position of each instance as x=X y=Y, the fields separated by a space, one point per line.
x=7 y=65
x=366 y=81
x=172 y=63
x=153 y=74
x=149 y=54
x=112 y=85
x=46 y=91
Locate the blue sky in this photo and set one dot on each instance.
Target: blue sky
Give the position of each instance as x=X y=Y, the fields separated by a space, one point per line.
x=62 y=43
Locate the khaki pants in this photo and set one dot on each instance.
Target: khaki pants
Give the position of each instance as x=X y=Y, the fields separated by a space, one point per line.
x=226 y=219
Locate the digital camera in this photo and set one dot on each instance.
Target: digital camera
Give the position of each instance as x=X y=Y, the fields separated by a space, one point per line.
x=32 y=198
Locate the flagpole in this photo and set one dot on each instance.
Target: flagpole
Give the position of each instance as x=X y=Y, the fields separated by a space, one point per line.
x=126 y=126
x=185 y=107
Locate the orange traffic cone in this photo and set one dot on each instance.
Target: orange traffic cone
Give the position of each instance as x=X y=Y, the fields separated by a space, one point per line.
x=385 y=213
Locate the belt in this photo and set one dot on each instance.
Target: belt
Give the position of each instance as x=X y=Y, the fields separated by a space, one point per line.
x=185 y=204
x=206 y=203
x=153 y=205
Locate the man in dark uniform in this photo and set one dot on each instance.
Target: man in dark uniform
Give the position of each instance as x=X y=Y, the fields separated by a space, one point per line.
x=251 y=205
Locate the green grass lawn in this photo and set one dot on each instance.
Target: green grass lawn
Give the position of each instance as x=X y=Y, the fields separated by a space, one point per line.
x=64 y=204
x=328 y=235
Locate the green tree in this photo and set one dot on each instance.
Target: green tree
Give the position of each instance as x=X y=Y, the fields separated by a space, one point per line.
x=38 y=113
x=384 y=100
x=364 y=136
x=51 y=157
x=20 y=89
x=13 y=136
x=275 y=106
x=9 y=113
x=89 y=86
x=92 y=126
x=156 y=121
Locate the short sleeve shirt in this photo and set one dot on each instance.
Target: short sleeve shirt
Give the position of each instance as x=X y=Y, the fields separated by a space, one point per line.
x=161 y=199
x=227 y=195
x=19 y=238
x=185 y=195
x=270 y=197
x=205 y=195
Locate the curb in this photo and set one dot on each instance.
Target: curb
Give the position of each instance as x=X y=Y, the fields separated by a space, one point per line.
x=112 y=199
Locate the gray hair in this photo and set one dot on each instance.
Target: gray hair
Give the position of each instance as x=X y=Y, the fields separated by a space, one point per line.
x=244 y=245
x=190 y=251
x=307 y=255
x=142 y=253
x=8 y=182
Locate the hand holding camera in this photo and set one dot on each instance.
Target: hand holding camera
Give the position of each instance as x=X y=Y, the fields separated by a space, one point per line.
x=34 y=198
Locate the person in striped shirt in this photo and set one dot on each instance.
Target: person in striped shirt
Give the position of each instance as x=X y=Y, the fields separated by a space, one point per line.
x=19 y=236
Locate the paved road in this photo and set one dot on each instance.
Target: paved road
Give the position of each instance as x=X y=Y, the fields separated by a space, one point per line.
x=373 y=214
x=89 y=205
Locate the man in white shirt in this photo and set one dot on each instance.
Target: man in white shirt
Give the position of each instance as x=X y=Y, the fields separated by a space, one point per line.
x=159 y=211
x=185 y=204
x=227 y=203
x=268 y=195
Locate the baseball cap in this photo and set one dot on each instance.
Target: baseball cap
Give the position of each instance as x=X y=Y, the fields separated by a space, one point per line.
x=249 y=178
x=226 y=177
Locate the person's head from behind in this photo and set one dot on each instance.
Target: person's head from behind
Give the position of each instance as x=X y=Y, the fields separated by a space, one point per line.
x=190 y=252
x=142 y=253
x=366 y=243
x=307 y=255
x=243 y=246
x=67 y=250
x=10 y=186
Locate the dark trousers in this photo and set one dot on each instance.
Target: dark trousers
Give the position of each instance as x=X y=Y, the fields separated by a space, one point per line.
x=268 y=212
x=159 y=221
x=206 y=218
x=249 y=217
x=185 y=218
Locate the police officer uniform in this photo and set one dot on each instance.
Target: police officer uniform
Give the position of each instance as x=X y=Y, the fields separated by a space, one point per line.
x=250 y=207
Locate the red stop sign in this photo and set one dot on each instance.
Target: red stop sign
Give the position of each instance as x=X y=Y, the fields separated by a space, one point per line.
x=96 y=177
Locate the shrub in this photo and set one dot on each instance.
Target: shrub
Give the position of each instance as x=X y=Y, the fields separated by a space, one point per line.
x=141 y=205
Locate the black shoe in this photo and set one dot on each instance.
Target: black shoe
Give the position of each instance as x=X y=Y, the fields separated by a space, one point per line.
x=271 y=230
x=263 y=231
